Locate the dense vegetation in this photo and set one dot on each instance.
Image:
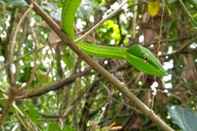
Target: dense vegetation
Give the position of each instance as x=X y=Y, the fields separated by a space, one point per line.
x=142 y=73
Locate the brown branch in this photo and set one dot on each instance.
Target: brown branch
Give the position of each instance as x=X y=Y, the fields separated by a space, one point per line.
x=12 y=93
x=8 y=59
x=119 y=85
x=8 y=53
x=55 y=86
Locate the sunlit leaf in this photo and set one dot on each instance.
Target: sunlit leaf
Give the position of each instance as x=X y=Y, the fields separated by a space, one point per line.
x=110 y=31
x=153 y=7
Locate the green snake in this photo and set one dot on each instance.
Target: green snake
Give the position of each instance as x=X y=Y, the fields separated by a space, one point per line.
x=136 y=55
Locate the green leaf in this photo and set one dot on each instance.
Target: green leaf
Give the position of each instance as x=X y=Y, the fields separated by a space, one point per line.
x=24 y=75
x=32 y=112
x=185 y=118
x=42 y=78
x=69 y=58
x=68 y=16
x=171 y=1
x=144 y=60
x=68 y=128
x=53 y=127
x=194 y=1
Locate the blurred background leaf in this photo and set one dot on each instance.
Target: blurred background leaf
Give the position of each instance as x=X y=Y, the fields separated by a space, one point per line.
x=185 y=118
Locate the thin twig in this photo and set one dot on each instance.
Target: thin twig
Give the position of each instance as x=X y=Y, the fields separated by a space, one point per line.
x=18 y=28
x=101 y=21
x=186 y=10
x=135 y=19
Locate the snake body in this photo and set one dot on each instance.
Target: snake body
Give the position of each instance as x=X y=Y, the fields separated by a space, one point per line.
x=103 y=51
x=136 y=55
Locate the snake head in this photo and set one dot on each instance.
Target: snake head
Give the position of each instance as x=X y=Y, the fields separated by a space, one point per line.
x=144 y=60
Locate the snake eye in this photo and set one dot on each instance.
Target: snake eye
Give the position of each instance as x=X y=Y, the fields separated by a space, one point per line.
x=145 y=59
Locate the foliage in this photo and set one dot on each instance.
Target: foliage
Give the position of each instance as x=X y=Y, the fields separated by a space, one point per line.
x=110 y=32
x=53 y=89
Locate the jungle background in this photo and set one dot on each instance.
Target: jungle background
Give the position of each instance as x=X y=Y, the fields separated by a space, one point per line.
x=45 y=86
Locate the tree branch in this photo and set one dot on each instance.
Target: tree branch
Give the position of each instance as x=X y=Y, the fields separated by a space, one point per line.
x=55 y=86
